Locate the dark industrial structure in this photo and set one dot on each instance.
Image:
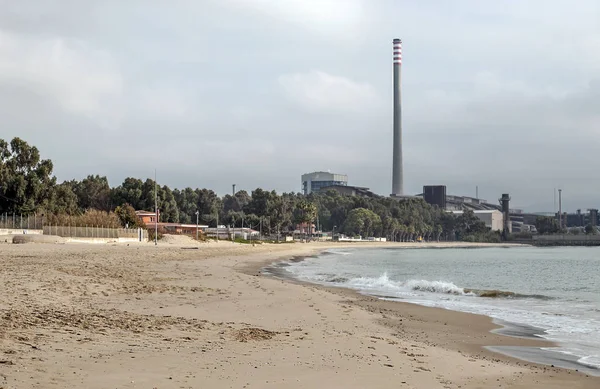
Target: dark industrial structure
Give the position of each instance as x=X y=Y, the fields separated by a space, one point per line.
x=579 y=219
x=435 y=195
x=593 y=216
x=505 y=208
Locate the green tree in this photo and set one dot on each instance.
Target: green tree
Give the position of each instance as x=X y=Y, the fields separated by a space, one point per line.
x=468 y=223
x=305 y=212
x=591 y=230
x=127 y=216
x=546 y=225
x=26 y=181
x=280 y=213
x=209 y=204
x=187 y=203
x=130 y=192
x=63 y=200
x=169 y=213
x=261 y=202
x=93 y=192
x=362 y=221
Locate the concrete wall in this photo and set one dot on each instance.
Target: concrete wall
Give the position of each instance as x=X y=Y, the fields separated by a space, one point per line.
x=566 y=240
x=17 y=231
x=101 y=240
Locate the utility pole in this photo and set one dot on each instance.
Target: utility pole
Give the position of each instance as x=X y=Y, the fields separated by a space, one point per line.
x=197 y=215
x=217 y=226
x=155 y=210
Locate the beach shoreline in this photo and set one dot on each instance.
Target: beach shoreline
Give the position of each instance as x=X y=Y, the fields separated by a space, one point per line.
x=143 y=316
x=524 y=343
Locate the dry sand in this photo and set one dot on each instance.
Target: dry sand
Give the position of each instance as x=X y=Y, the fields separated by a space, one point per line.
x=183 y=315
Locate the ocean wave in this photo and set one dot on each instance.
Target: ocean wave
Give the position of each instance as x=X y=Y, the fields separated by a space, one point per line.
x=384 y=283
x=494 y=293
x=336 y=252
x=592 y=361
x=381 y=282
x=434 y=287
x=337 y=280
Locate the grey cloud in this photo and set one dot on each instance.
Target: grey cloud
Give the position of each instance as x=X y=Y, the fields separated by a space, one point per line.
x=258 y=92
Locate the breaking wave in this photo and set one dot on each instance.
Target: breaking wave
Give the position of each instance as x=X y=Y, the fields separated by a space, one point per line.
x=435 y=287
x=384 y=283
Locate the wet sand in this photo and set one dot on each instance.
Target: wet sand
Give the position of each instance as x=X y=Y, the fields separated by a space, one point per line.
x=141 y=316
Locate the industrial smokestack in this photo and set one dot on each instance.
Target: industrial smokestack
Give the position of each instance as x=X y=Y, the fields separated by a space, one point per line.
x=505 y=206
x=560 y=215
x=397 y=173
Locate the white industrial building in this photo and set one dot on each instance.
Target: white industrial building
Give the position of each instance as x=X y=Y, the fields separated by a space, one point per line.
x=313 y=182
x=493 y=219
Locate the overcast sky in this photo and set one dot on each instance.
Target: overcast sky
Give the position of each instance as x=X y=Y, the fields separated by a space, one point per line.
x=500 y=94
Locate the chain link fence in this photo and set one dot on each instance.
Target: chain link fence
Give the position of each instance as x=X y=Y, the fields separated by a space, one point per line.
x=39 y=223
x=93 y=232
x=21 y=222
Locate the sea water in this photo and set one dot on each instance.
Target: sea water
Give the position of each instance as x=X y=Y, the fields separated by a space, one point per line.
x=554 y=289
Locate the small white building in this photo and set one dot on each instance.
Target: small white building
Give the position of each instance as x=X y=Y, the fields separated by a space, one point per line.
x=225 y=232
x=493 y=219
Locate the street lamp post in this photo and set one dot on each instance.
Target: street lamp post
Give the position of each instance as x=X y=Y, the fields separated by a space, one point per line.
x=155 y=210
x=217 y=226
x=197 y=215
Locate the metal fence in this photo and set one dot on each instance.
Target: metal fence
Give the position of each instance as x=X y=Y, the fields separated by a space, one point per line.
x=29 y=222
x=38 y=222
x=94 y=232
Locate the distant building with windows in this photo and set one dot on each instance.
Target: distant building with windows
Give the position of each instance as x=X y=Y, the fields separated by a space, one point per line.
x=313 y=182
x=348 y=190
x=148 y=217
x=493 y=219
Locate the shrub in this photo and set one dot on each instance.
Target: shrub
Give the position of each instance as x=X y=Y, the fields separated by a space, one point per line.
x=128 y=218
x=91 y=218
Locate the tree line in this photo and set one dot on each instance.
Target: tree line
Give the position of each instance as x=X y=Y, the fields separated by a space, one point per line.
x=28 y=186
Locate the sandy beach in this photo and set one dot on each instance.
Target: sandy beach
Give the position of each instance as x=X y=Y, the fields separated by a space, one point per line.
x=187 y=315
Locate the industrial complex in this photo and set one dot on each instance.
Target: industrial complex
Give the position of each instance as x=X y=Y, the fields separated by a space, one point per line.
x=497 y=215
x=313 y=182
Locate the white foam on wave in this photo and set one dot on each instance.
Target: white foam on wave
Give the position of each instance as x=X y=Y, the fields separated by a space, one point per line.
x=384 y=284
x=337 y=252
x=591 y=361
x=434 y=287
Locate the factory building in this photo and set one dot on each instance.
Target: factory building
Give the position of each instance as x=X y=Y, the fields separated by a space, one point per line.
x=493 y=219
x=347 y=190
x=579 y=218
x=435 y=195
x=313 y=182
